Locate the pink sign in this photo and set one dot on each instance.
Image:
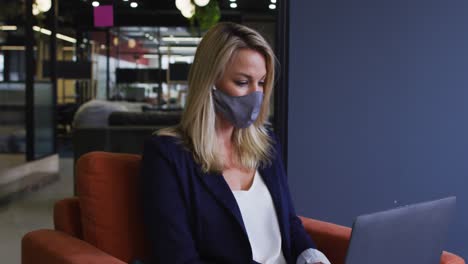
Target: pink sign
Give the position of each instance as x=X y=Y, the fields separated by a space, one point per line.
x=104 y=16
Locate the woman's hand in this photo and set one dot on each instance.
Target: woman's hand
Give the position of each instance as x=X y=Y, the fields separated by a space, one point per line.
x=312 y=256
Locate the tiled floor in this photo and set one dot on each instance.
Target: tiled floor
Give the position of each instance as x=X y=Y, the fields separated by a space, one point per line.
x=32 y=211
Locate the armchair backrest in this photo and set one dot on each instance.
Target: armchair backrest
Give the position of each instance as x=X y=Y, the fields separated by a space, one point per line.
x=110 y=211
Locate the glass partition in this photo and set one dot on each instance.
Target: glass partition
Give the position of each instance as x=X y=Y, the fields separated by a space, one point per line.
x=12 y=124
x=27 y=130
x=43 y=119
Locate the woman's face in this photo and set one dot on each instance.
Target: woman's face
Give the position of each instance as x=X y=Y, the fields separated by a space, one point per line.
x=244 y=73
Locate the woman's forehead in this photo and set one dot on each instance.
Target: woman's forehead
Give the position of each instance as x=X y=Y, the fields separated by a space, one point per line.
x=248 y=62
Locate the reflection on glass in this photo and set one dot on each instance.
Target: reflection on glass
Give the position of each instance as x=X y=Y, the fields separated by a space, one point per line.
x=2 y=66
x=43 y=119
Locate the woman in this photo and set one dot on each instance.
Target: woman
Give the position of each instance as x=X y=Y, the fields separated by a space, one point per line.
x=214 y=187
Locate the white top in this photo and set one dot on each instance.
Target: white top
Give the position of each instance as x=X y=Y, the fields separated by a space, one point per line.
x=261 y=223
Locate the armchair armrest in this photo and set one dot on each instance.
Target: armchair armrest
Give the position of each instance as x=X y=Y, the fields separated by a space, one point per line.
x=54 y=247
x=333 y=241
x=449 y=258
x=330 y=238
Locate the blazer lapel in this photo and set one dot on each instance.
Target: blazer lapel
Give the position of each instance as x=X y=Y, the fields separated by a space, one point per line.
x=220 y=189
x=216 y=184
x=271 y=178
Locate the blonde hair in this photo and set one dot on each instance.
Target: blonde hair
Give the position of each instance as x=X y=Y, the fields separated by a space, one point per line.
x=197 y=127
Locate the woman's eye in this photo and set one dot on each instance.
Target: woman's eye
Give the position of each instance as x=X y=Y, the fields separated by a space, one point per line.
x=241 y=83
x=262 y=83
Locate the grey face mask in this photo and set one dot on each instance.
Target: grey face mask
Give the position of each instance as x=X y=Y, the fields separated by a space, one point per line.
x=241 y=111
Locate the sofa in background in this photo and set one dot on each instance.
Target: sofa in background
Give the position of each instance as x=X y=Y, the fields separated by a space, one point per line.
x=124 y=132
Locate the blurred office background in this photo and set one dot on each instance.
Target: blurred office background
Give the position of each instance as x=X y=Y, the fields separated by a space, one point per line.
x=83 y=75
x=369 y=104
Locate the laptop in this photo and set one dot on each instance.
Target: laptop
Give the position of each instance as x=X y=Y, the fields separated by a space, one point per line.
x=413 y=234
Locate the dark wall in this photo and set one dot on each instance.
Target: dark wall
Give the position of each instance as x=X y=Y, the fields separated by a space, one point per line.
x=378 y=107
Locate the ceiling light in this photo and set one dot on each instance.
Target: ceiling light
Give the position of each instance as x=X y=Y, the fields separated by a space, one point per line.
x=201 y=2
x=150 y=56
x=166 y=48
x=134 y=4
x=232 y=0
x=59 y=36
x=44 y=5
x=35 y=10
x=46 y=31
x=42 y=30
x=272 y=6
x=12 y=48
x=182 y=4
x=8 y=28
x=188 y=11
x=233 y=5
x=273 y=1
x=131 y=43
x=181 y=39
x=125 y=0
x=95 y=3
x=66 y=38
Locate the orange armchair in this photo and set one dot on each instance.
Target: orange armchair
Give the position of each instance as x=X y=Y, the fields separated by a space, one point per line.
x=102 y=225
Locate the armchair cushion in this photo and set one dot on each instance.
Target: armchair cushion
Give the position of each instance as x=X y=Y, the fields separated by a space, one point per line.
x=55 y=247
x=108 y=197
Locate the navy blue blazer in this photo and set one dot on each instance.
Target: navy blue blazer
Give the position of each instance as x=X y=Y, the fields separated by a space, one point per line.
x=193 y=217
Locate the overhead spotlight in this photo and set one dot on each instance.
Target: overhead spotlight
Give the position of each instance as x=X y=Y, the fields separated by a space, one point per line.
x=233 y=5
x=95 y=3
x=35 y=10
x=134 y=4
x=272 y=6
x=273 y=1
x=132 y=43
x=44 y=5
x=188 y=11
x=125 y=0
x=232 y=0
x=201 y=3
x=182 y=4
